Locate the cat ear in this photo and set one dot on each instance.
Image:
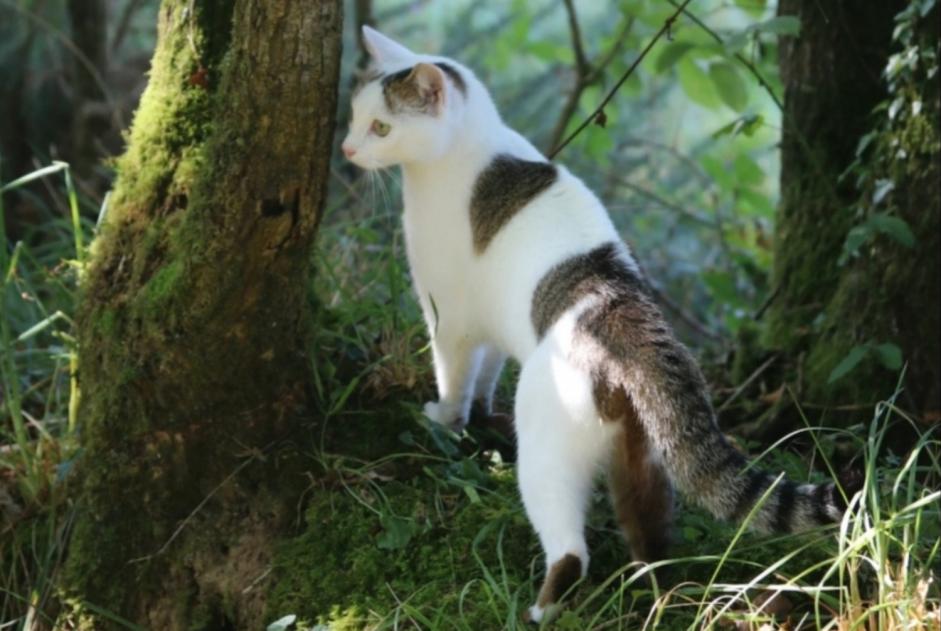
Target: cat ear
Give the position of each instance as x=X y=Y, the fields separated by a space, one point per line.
x=382 y=49
x=429 y=79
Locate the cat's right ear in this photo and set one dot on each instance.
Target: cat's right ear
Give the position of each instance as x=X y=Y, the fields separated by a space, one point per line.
x=382 y=49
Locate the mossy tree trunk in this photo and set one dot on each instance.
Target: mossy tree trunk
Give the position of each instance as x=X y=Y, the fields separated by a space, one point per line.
x=885 y=293
x=193 y=316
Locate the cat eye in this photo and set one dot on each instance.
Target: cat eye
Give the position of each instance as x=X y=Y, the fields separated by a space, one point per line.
x=380 y=129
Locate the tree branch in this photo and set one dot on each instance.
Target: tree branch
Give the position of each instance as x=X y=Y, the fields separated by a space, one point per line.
x=586 y=73
x=668 y=23
x=739 y=56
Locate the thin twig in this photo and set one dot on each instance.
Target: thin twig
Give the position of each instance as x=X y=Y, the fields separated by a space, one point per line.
x=667 y=25
x=739 y=56
x=665 y=203
x=581 y=61
x=683 y=314
x=124 y=24
x=586 y=73
x=751 y=378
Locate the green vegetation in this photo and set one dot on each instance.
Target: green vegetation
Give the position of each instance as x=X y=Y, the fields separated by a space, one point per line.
x=395 y=523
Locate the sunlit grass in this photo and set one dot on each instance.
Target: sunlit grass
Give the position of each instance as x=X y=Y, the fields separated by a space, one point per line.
x=877 y=570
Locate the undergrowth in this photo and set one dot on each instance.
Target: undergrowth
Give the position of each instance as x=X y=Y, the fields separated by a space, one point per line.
x=406 y=525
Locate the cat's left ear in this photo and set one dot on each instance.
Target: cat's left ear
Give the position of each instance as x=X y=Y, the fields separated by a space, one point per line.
x=382 y=49
x=429 y=80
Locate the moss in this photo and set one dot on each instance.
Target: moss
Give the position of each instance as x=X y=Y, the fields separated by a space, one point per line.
x=343 y=564
x=107 y=323
x=174 y=119
x=163 y=284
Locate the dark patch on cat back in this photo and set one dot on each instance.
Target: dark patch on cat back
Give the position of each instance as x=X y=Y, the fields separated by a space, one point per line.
x=559 y=579
x=502 y=189
x=454 y=75
x=600 y=272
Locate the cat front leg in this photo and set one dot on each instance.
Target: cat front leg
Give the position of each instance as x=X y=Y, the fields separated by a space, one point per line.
x=455 y=372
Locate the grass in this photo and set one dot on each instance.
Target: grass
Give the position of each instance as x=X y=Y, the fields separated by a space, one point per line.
x=38 y=363
x=410 y=526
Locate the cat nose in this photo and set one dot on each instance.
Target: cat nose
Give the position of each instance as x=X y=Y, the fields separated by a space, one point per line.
x=348 y=151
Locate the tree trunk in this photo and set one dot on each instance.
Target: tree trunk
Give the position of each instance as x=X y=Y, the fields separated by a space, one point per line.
x=887 y=293
x=194 y=315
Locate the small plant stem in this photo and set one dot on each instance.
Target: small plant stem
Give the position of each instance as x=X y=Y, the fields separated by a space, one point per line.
x=76 y=217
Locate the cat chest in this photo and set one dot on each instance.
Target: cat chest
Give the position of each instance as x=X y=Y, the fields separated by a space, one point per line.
x=438 y=245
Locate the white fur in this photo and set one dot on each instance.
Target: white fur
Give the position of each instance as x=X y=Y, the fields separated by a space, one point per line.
x=478 y=307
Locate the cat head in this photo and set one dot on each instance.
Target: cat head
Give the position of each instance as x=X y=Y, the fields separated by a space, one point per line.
x=407 y=107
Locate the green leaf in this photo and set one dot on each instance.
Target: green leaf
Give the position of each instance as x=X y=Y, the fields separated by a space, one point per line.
x=747 y=170
x=717 y=171
x=755 y=8
x=729 y=84
x=855 y=238
x=397 y=532
x=848 y=363
x=543 y=50
x=697 y=84
x=759 y=203
x=471 y=493
x=894 y=227
x=889 y=355
x=780 y=25
x=670 y=55
x=281 y=624
x=747 y=125
x=883 y=188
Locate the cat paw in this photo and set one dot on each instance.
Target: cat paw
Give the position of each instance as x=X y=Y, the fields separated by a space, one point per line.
x=443 y=414
x=534 y=614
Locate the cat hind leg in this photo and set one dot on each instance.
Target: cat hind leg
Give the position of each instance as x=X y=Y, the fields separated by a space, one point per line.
x=561 y=444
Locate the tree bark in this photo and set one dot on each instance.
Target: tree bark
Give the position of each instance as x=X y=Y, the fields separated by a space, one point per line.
x=194 y=314
x=833 y=76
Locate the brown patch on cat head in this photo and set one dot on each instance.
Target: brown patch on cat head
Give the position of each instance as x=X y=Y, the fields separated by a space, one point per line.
x=559 y=579
x=417 y=90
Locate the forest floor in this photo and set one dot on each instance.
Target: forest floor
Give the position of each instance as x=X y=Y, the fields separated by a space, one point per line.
x=407 y=525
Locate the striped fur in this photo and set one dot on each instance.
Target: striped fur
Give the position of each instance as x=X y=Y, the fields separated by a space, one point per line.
x=513 y=256
x=626 y=345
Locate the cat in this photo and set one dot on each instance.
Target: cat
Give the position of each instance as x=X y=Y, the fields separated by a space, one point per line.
x=512 y=255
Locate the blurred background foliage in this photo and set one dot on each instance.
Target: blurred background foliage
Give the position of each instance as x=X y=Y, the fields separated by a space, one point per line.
x=687 y=161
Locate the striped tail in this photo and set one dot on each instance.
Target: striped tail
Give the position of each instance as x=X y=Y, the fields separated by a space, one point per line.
x=670 y=396
x=623 y=341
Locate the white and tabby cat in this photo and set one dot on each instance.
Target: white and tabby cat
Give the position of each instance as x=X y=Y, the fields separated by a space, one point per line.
x=512 y=255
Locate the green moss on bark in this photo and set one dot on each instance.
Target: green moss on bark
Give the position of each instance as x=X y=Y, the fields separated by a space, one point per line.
x=341 y=567
x=886 y=292
x=192 y=313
